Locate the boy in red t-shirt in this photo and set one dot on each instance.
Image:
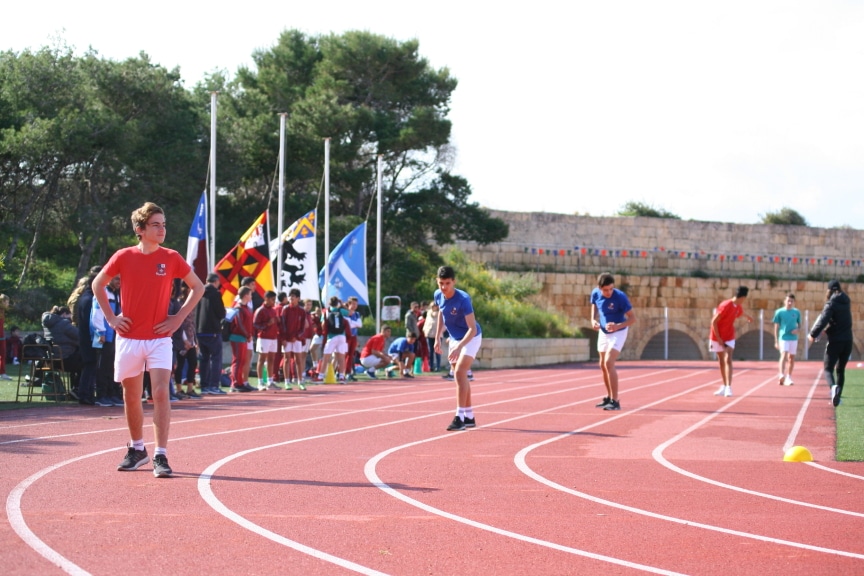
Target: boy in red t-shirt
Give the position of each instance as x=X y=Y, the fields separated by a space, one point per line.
x=294 y=329
x=144 y=329
x=267 y=327
x=722 y=337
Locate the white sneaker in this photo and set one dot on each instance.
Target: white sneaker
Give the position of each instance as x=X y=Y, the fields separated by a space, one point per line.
x=788 y=381
x=727 y=392
x=5 y=377
x=721 y=391
x=262 y=386
x=273 y=386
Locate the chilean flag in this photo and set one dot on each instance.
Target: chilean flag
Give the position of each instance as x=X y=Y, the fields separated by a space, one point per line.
x=196 y=249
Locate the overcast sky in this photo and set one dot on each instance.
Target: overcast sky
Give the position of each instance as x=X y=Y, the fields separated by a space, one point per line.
x=718 y=111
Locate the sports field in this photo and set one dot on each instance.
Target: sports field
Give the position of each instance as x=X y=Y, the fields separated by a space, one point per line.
x=363 y=478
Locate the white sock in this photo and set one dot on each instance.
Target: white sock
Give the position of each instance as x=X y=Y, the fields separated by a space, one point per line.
x=460 y=412
x=468 y=412
x=162 y=451
x=138 y=444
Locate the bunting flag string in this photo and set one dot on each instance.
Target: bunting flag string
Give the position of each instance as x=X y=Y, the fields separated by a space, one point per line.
x=693 y=255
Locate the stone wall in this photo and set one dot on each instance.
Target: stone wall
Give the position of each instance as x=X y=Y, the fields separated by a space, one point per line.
x=687 y=305
x=660 y=246
x=676 y=272
x=520 y=352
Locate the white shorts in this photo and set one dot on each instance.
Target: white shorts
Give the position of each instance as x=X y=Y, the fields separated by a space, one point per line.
x=295 y=347
x=132 y=357
x=336 y=344
x=613 y=341
x=267 y=346
x=718 y=347
x=370 y=361
x=790 y=346
x=471 y=348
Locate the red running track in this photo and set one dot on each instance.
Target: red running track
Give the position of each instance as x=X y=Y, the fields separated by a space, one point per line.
x=363 y=478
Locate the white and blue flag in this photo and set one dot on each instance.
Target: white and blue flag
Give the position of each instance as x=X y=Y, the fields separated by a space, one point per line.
x=347 y=268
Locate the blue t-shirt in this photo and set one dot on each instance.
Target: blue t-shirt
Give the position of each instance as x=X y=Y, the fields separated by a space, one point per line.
x=400 y=346
x=613 y=309
x=788 y=320
x=453 y=311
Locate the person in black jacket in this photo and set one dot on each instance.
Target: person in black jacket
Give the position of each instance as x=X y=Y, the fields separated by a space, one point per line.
x=836 y=321
x=208 y=321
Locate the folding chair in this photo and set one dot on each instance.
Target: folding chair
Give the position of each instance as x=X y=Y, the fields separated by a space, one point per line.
x=47 y=377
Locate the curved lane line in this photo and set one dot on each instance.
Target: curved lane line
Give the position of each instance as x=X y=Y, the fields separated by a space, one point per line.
x=657 y=453
x=13 y=501
x=519 y=460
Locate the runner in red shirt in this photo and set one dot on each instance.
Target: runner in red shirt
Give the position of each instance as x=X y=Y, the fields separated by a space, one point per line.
x=722 y=338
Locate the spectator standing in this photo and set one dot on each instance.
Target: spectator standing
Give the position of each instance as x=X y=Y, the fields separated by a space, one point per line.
x=294 y=328
x=256 y=301
x=81 y=304
x=411 y=319
x=430 y=329
x=185 y=344
x=279 y=376
x=241 y=336
x=611 y=315
x=147 y=272
x=787 y=322
x=466 y=337
x=334 y=325
x=836 y=321
x=355 y=322
x=266 y=323
x=208 y=323
x=108 y=390
x=722 y=336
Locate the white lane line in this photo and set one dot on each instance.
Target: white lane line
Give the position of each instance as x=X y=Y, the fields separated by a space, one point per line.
x=496 y=388
x=13 y=501
x=519 y=460
x=19 y=525
x=794 y=433
x=799 y=421
x=657 y=453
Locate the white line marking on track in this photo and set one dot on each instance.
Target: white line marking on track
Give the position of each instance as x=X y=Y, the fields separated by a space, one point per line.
x=519 y=460
x=657 y=453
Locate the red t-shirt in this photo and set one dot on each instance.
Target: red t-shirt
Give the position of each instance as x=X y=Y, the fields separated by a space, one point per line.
x=375 y=342
x=293 y=322
x=729 y=312
x=145 y=286
x=262 y=328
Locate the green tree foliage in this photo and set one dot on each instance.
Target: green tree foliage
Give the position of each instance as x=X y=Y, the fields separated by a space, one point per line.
x=372 y=96
x=786 y=216
x=641 y=209
x=83 y=141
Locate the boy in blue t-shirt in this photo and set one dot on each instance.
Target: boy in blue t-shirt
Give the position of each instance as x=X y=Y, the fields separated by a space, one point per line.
x=402 y=352
x=456 y=315
x=611 y=315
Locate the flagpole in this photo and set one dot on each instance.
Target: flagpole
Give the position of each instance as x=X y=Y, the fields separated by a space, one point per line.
x=378 y=252
x=326 y=221
x=211 y=255
x=280 y=224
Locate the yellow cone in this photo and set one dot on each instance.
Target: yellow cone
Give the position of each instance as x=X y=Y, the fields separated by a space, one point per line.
x=330 y=375
x=798 y=454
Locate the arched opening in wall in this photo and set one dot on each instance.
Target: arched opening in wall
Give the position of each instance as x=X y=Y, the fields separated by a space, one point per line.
x=681 y=347
x=747 y=347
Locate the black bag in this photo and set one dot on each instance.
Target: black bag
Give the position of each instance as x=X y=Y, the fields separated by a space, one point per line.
x=225 y=326
x=335 y=323
x=32 y=349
